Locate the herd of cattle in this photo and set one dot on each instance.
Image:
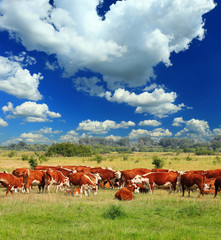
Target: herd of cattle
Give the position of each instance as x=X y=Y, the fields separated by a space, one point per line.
x=79 y=180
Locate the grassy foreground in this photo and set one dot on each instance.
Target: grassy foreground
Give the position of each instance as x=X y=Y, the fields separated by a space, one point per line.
x=157 y=216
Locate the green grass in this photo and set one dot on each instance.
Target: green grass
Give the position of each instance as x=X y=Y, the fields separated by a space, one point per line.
x=156 y=216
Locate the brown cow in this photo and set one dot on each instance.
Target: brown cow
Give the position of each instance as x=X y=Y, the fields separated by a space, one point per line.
x=212 y=173
x=162 y=179
x=160 y=170
x=217 y=185
x=55 y=177
x=106 y=175
x=126 y=193
x=44 y=167
x=11 y=182
x=127 y=175
x=189 y=180
x=84 y=182
x=34 y=178
x=65 y=171
x=19 y=172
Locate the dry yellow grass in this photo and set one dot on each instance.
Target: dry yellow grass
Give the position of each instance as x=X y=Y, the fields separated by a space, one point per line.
x=179 y=162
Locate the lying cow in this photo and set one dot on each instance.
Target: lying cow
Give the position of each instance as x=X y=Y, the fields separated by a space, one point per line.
x=10 y=182
x=126 y=193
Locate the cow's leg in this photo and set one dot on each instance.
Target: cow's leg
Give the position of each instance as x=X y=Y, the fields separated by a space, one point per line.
x=8 y=189
x=151 y=188
x=216 y=191
x=189 y=192
x=183 y=189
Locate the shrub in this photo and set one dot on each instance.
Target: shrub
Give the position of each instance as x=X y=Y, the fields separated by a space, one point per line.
x=33 y=161
x=114 y=212
x=157 y=162
x=188 y=158
x=98 y=158
x=24 y=157
x=204 y=151
x=11 y=154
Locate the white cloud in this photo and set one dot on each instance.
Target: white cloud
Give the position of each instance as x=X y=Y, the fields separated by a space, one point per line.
x=217 y=131
x=123 y=48
x=47 y=130
x=158 y=103
x=71 y=136
x=195 y=129
x=34 y=138
x=155 y=134
x=31 y=111
x=97 y=127
x=3 y=123
x=153 y=123
x=17 y=81
x=178 y=121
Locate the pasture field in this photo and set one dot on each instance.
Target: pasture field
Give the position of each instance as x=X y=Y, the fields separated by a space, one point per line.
x=156 y=216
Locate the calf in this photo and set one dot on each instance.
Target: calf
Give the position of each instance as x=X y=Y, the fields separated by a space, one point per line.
x=10 y=182
x=189 y=180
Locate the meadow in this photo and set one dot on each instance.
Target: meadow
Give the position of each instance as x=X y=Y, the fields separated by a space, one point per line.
x=156 y=216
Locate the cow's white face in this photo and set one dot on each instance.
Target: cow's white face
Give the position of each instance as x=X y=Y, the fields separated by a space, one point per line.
x=117 y=174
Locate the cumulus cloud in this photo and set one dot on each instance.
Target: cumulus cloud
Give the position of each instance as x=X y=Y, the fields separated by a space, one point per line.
x=47 y=130
x=31 y=111
x=34 y=138
x=17 y=81
x=97 y=127
x=123 y=48
x=195 y=129
x=71 y=136
x=158 y=103
x=153 y=123
x=155 y=134
x=3 y=123
x=177 y=122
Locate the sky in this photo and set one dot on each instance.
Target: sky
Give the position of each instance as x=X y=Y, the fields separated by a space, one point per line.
x=102 y=68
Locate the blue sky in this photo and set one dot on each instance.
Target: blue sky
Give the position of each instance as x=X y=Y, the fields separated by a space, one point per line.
x=112 y=69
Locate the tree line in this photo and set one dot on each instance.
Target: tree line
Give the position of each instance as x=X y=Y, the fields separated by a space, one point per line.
x=97 y=145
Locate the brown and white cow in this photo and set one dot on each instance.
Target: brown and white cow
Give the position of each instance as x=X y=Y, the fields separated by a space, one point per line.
x=10 y=182
x=126 y=193
x=84 y=182
x=55 y=177
x=188 y=181
x=127 y=175
x=32 y=178
x=162 y=179
x=106 y=175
